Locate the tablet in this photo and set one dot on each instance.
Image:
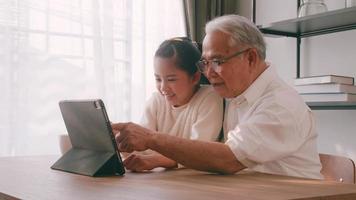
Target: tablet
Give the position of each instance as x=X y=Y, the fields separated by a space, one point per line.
x=94 y=151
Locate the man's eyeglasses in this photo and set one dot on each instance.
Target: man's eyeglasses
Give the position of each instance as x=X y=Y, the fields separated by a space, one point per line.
x=215 y=63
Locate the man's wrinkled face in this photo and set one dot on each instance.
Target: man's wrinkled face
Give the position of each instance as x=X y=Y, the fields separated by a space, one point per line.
x=233 y=76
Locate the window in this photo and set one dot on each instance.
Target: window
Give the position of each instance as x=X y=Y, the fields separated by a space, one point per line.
x=76 y=49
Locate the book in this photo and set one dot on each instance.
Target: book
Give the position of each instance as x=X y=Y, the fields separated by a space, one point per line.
x=326 y=88
x=324 y=79
x=329 y=97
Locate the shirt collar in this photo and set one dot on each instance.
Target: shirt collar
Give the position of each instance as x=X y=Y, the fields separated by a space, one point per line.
x=257 y=88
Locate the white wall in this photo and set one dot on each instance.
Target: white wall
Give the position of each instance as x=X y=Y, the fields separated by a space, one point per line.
x=327 y=54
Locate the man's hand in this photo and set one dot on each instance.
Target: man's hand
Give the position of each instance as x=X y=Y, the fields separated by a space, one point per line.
x=131 y=137
x=139 y=163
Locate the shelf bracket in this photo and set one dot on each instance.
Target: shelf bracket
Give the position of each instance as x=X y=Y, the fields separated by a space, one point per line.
x=298 y=57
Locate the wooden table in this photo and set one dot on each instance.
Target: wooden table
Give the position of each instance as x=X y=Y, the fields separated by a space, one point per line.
x=32 y=178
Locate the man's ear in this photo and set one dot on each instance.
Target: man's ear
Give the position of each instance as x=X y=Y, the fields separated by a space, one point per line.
x=196 y=77
x=252 y=58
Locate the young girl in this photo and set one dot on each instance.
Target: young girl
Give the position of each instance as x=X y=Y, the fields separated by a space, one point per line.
x=181 y=107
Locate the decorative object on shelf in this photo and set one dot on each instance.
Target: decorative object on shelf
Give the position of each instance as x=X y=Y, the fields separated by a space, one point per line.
x=311 y=7
x=350 y=3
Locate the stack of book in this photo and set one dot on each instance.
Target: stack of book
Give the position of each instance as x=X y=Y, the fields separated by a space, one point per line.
x=326 y=88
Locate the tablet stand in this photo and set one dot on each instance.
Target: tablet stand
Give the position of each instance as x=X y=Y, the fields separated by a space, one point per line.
x=90 y=163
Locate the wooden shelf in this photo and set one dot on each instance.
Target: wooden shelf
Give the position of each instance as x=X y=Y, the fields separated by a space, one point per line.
x=312 y=25
x=332 y=105
x=323 y=23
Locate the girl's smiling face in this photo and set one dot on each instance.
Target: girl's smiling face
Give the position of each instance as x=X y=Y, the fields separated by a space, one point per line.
x=175 y=84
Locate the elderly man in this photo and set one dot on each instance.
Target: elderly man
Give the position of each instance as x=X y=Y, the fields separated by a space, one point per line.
x=268 y=128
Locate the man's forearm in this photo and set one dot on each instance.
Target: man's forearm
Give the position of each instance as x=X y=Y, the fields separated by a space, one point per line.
x=200 y=155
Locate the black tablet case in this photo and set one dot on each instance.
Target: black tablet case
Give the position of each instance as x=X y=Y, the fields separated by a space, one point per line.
x=94 y=151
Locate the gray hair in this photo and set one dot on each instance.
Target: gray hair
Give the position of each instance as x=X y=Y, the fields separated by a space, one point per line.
x=241 y=30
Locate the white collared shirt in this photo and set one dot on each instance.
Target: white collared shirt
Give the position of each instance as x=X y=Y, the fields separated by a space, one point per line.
x=270 y=129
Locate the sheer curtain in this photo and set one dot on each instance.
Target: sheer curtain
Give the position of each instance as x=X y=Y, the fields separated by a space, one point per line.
x=76 y=49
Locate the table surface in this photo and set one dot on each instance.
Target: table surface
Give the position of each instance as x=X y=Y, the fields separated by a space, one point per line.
x=32 y=178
